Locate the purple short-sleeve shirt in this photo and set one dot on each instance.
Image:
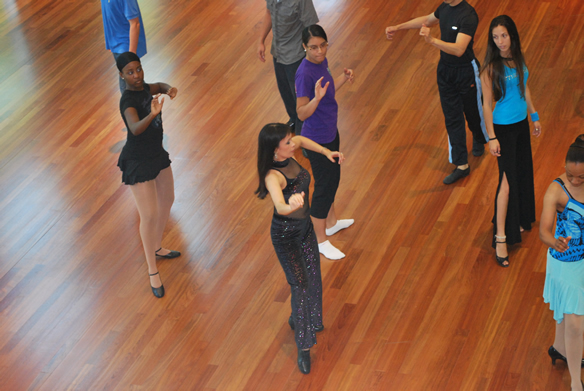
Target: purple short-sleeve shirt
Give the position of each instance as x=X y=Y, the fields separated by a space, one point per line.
x=321 y=126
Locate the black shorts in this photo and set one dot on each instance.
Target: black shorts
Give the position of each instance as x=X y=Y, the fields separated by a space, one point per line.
x=143 y=170
x=327 y=176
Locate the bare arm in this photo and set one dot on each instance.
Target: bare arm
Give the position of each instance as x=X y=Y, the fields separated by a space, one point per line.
x=163 y=88
x=416 y=23
x=347 y=75
x=265 y=29
x=303 y=142
x=134 y=34
x=487 y=85
x=305 y=107
x=531 y=109
x=456 y=49
x=548 y=214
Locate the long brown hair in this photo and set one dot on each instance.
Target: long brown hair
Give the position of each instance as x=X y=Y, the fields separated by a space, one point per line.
x=494 y=63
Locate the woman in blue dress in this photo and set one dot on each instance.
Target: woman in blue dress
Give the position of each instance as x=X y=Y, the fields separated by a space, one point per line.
x=504 y=80
x=564 y=280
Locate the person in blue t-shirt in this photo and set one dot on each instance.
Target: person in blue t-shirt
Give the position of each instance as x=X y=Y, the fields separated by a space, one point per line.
x=123 y=29
x=504 y=80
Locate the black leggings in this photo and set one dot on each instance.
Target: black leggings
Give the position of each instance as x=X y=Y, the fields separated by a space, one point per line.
x=327 y=176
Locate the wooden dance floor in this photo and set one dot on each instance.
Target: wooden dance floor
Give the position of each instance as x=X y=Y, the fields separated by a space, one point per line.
x=418 y=303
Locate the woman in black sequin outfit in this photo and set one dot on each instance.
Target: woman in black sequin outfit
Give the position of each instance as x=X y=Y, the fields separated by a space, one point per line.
x=292 y=232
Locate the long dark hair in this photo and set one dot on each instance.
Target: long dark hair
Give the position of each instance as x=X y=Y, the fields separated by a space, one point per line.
x=268 y=140
x=576 y=151
x=314 y=30
x=494 y=63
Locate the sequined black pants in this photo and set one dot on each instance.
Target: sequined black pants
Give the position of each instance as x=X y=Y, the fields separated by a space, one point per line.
x=297 y=250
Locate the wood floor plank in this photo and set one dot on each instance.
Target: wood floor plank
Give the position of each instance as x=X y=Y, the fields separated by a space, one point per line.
x=418 y=303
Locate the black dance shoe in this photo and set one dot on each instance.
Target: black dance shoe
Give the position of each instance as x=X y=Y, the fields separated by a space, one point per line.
x=170 y=255
x=158 y=292
x=555 y=355
x=291 y=323
x=456 y=175
x=304 y=361
x=478 y=148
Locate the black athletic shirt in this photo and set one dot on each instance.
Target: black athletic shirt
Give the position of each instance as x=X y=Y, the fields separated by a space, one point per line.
x=461 y=18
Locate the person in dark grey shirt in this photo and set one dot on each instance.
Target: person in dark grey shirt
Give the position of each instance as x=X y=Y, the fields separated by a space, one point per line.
x=459 y=84
x=286 y=19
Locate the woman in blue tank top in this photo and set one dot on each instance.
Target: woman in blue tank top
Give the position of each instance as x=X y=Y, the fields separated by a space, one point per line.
x=564 y=280
x=504 y=80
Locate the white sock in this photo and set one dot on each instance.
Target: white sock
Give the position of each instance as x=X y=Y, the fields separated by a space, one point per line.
x=330 y=251
x=341 y=224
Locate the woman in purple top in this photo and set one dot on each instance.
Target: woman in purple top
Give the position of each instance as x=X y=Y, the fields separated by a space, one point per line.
x=317 y=107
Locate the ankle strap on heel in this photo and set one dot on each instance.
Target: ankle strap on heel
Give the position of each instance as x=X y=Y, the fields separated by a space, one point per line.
x=500 y=239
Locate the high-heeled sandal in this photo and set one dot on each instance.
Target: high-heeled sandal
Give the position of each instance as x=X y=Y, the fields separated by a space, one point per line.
x=170 y=255
x=291 y=323
x=555 y=355
x=158 y=292
x=501 y=260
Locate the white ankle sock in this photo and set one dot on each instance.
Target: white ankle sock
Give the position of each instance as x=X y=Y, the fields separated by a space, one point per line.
x=330 y=251
x=341 y=224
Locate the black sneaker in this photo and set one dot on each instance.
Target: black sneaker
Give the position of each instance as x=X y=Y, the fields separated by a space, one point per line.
x=456 y=175
x=478 y=149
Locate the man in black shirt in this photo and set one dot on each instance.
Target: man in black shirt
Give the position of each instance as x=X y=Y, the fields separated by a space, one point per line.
x=458 y=78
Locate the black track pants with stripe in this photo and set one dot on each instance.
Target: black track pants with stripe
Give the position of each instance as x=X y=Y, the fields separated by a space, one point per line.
x=461 y=96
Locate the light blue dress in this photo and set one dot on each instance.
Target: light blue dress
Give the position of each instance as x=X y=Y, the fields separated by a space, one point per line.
x=564 y=279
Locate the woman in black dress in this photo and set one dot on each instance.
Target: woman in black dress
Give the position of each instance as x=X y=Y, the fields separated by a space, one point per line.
x=144 y=163
x=292 y=232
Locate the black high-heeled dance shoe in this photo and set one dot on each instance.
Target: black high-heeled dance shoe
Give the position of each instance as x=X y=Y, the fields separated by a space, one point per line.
x=555 y=355
x=304 y=361
x=501 y=260
x=291 y=323
x=158 y=292
x=170 y=255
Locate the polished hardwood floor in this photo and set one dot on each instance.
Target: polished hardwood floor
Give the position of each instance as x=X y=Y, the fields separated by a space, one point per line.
x=418 y=303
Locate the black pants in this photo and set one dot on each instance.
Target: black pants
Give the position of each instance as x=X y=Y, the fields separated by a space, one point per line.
x=460 y=96
x=297 y=250
x=517 y=165
x=327 y=176
x=285 y=77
